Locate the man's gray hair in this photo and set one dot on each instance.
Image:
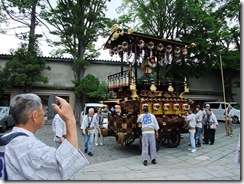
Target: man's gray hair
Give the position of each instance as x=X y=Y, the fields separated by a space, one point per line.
x=91 y=109
x=22 y=105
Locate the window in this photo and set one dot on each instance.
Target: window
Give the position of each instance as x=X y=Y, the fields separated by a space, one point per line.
x=214 y=106
x=223 y=106
x=236 y=106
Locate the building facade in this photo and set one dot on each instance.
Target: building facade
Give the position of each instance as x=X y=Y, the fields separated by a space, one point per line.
x=61 y=75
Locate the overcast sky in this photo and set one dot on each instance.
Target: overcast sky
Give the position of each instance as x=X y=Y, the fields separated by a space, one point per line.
x=9 y=40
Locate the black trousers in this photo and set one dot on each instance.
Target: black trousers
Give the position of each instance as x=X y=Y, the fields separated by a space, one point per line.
x=206 y=134
x=209 y=135
x=212 y=135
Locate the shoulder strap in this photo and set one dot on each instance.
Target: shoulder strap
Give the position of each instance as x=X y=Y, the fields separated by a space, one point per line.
x=6 y=139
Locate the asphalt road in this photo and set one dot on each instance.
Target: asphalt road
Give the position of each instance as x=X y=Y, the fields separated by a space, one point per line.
x=110 y=150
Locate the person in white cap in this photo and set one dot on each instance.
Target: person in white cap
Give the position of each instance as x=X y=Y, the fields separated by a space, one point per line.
x=212 y=123
x=149 y=134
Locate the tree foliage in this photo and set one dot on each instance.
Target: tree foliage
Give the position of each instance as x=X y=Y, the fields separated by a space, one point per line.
x=78 y=24
x=25 y=14
x=90 y=87
x=213 y=25
x=25 y=68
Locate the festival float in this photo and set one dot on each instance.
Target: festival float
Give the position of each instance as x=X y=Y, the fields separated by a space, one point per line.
x=129 y=92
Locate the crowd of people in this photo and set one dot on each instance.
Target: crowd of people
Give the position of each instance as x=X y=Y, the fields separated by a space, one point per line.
x=202 y=125
x=27 y=158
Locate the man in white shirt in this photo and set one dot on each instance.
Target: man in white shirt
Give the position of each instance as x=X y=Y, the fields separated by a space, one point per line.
x=190 y=119
x=98 y=135
x=229 y=114
x=27 y=158
x=59 y=129
x=88 y=130
x=198 y=117
x=211 y=122
x=149 y=135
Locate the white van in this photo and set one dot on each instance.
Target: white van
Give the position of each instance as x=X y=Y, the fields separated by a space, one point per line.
x=95 y=106
x=218 y=108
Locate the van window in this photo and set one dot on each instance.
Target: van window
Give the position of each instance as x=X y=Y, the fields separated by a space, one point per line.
x=214 y=106
x=236 y=106
x=223 y=106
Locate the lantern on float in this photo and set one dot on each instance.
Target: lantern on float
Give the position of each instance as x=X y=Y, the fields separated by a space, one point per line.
x=169 y=48
x=117 y=108
x=120 y=48
x=115 y=49
x=150 y=45
x=160 y=47
x=184 y=52
x=177 y=50
x=111 y=52
x=156 y=106
x=125 y=45
x=141 y=44
x=185 y=107
x=166 y=106
x=176 y=106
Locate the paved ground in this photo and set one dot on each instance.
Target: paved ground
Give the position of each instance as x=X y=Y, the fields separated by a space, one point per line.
x=210 y=162
x=112 y=162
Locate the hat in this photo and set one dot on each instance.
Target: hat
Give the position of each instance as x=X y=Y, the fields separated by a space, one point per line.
x=207 y=105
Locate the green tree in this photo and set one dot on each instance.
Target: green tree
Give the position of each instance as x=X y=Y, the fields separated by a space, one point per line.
x=204 y=22
x=77 y=23
x=25 y=68
x=3 y=82
x=90 y=88
x=25 y=14
x=228 y=15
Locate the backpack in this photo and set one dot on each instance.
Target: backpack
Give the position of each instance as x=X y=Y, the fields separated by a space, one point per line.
x=4 y=140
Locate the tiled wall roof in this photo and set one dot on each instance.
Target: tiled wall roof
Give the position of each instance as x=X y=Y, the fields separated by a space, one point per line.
x=63 y=59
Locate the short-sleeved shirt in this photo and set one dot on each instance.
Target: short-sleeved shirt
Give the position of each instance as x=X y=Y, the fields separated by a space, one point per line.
x=59 y=127
x=148 y=121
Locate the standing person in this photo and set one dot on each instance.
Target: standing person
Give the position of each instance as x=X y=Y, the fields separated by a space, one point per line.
x=88 y=130
x=26 y=157
x=190 y=119
x=198 y=117
x=149 y=127
x=229 y=114
x=205 y=130
x=99 y=117
x=211 y=123
x=59 y=129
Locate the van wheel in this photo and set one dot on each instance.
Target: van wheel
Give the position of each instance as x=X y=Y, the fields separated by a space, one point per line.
x=235 y=120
